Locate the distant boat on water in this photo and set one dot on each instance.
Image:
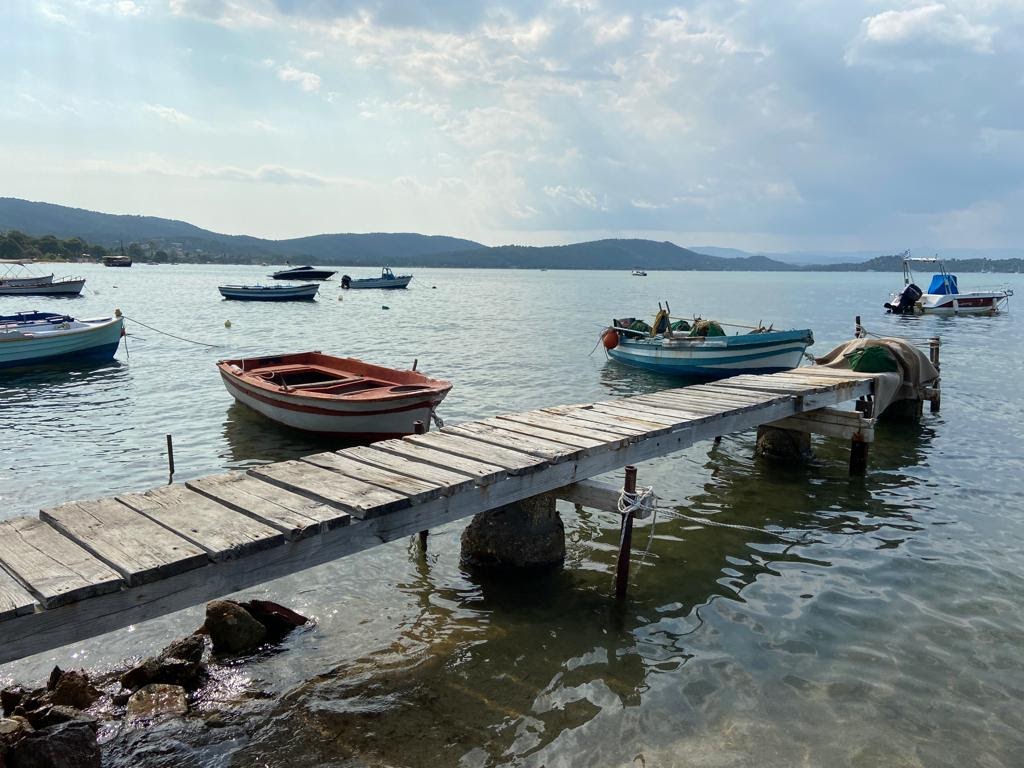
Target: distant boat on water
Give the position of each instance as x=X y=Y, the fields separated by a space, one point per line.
x=303 y=273
x=18 y=281
x=387 y=279
x=639 y=273
x=269 y=292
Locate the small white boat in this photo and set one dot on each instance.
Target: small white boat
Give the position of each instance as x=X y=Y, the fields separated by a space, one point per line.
x=639 y=273
x=269 y=292
x=701 y=349
x=387 y=279
x=315 y=392
x=943 y=296
x=17 y=280
x=32 y=337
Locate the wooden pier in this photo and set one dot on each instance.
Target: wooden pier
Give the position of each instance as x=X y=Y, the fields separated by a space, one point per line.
x=89 y=567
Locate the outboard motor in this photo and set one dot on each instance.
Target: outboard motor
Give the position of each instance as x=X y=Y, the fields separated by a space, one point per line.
x=346 y=281
x=904 y=303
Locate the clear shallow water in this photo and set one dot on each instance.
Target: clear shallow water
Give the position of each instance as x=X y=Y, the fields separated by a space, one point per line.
x=889 y=635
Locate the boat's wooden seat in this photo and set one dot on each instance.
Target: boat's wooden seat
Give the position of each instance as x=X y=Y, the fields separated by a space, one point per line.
x=328 y=383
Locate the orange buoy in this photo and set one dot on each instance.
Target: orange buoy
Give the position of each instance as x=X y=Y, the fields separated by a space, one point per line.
x=610 y=339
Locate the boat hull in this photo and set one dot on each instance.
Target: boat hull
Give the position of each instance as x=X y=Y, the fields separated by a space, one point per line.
x=303 y=273
x=389 y=409
x=378 y=282
x=269 y=293
x=960 y=304
x=715 y=357
x=21 y=345
x=58 y=288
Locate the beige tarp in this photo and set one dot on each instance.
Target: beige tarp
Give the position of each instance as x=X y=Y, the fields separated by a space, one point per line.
x=915 y=369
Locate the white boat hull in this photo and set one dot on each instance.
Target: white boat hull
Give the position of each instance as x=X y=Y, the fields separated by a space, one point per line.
x=57 y=288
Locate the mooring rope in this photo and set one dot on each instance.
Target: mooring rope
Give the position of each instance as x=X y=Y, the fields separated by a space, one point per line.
x=118 y=313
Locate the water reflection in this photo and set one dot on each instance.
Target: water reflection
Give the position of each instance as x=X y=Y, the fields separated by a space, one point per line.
x=251 y=439
x=626 y=381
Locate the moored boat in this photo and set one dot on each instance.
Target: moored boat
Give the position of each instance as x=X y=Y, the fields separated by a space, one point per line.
x=122 y=260
x=303 y=273
x=321 y=393
x=269 y=292
x=65 y=286
x=943 y=296
x=701 y=349
x=387 y=279
x=31 y=337
x=639 y=273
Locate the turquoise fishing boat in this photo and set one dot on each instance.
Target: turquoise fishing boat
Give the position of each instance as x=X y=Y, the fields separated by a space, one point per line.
x=34 y=337
x=701 y=349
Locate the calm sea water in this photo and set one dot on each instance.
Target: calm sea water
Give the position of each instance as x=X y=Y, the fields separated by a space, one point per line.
x=888 y=634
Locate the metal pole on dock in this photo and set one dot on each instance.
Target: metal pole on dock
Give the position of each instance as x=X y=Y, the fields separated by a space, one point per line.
x=419 y=429
x=625 y=539
x=170 y=459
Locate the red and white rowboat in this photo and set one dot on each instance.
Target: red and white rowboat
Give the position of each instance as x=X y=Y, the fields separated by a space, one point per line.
x=315 y=392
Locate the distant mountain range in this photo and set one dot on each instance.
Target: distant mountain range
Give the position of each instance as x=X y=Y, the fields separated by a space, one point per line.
x=180 y=240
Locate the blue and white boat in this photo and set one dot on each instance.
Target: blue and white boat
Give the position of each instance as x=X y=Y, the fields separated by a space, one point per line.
x=270 y=292
x=33 y=337
x=700 y=348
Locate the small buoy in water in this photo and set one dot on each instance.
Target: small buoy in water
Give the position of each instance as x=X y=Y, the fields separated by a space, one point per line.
x=227 y=323
x=610 y=339
x=341 y=298
x=433 y=287
x=384 y=306
x=117 y=313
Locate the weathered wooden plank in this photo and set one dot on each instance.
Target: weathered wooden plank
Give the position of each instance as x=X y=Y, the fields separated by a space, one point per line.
x=14 y=598
x=483 y=472
x=835 y=373
x=55 y=569
x=359 y=499
x=537 y=446
x=294 y=515
x=419 y=470
x=637 y=415
x=722 y=391
x=417 y=490
x=576 y=441
x=221 y=531
x=769 y=384
x=686 y=403
x=720 y=400
x=598 y=419
x=138 y=548
x=512 y=460
x=557 y=423
x=593 y=494
x=831 y=422
x=645 y=411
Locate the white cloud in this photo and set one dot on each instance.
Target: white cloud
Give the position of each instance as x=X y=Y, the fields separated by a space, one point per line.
x=266 y=174
x=168 y=114
x=613 y=31
x=922 y=32
x=584 y=198
x=308 y=81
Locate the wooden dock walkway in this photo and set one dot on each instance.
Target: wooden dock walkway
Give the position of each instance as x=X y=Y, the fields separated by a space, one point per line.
x=89 y=567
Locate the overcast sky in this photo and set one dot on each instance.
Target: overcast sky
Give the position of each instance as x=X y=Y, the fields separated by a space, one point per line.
x=758 y=124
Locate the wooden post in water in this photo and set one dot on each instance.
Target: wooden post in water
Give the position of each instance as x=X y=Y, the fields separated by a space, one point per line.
x=625 y=539
x=858 y=446
x=419 y=429
x=933 y=354
x=170 y=460
x=858 y=331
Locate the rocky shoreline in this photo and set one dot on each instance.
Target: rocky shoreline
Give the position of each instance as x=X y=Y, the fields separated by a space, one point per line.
x=56 y=726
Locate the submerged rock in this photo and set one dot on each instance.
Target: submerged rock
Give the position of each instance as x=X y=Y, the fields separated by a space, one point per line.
x=68 y=745
x=232 y=628
x=277 y=619
x=73 y=689
x=157 y=700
